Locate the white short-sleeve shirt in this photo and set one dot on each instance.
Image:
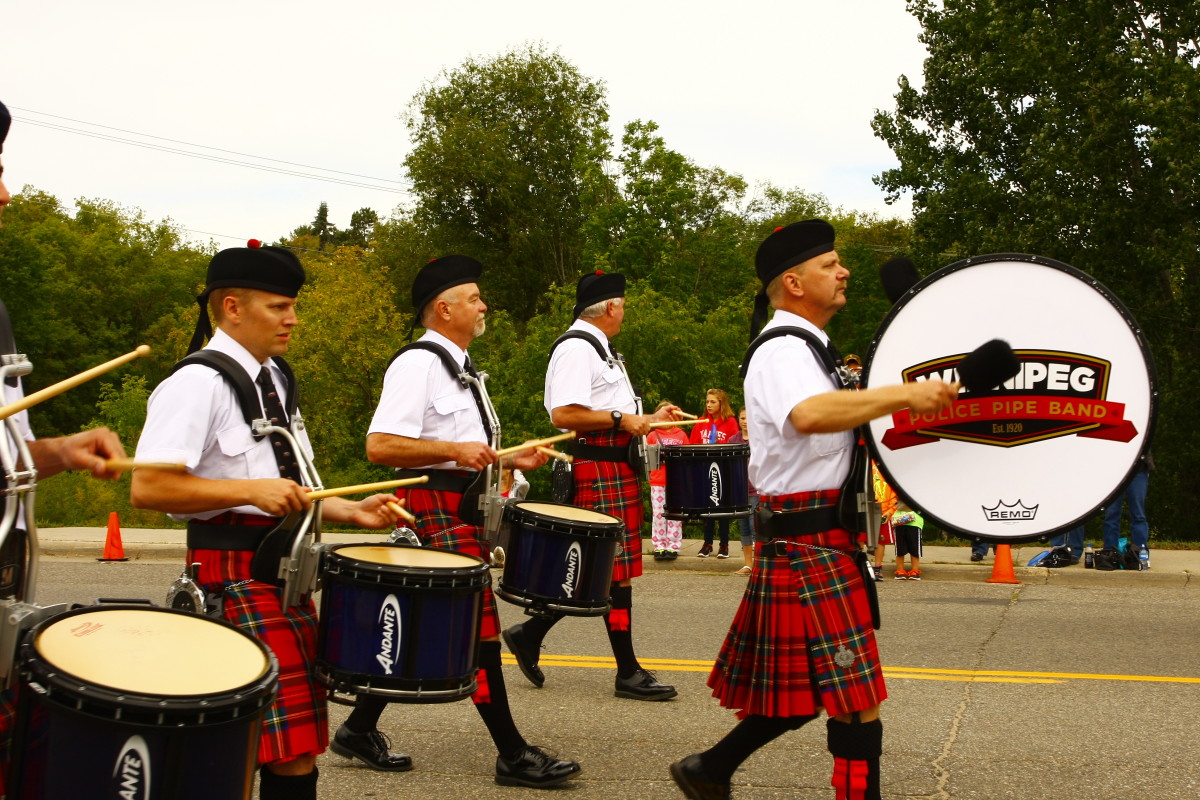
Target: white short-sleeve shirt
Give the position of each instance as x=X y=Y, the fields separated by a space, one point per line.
x=421 y=400
x=578 y=376
x=194 y=417
x=784 y=372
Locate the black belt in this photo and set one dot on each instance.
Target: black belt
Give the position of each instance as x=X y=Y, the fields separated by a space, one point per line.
x=202 y=535
x=793 y=524
x=440 y=480
x=593 y=452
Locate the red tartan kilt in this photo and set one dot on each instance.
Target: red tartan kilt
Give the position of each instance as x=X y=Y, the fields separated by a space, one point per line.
x=296 y=724
x=612 y=488
x=439 y=525
x=802 y=638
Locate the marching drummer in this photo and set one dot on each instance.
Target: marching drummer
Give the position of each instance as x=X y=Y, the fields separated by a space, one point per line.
x=802 y=639
x=88 y=450
x=587 y=390
x=238 y=486
x=430 y=421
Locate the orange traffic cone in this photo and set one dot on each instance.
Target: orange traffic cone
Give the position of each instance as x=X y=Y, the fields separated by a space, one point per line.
x=113 y=549
x=1002 y=569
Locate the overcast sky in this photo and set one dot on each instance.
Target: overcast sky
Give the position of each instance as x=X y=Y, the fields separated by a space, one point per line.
x=774 y=91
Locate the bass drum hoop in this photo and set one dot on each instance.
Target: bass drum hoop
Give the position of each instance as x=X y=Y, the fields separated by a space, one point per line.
x=878 y=456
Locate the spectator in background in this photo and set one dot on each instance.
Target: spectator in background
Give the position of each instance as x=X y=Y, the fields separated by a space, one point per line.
x=665 y=534
x=746 y=524
x=885 y=495
x=721 y=426
x=1134 y=494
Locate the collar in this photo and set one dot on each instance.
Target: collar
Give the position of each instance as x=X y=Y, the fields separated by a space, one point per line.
x=454 y=350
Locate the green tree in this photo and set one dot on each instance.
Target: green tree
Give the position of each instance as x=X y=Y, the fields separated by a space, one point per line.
x=505 y=152
x=1067 y=129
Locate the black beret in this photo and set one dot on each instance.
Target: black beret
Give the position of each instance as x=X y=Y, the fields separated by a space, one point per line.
x=441 y=274
x=5 y=121
x=597 y=286
x=791 y=245
x=271 y=269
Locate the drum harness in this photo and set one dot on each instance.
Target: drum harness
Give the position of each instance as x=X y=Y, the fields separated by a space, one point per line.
x=19 y=612
x=641 y=457
x=482 y=503
x=856 y=511
x=286 y=555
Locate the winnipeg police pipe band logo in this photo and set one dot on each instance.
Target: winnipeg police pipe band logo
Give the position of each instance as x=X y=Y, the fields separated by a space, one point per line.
x=1054 y=394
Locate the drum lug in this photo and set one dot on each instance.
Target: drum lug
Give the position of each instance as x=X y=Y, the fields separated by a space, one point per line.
x=18 y=617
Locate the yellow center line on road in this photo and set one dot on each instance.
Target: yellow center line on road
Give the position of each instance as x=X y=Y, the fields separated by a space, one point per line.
x=894 y=673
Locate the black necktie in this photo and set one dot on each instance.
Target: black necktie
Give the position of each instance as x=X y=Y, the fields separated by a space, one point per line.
x=281 y=447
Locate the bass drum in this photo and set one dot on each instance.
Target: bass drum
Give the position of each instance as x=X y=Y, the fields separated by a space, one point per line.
x=1043 y=451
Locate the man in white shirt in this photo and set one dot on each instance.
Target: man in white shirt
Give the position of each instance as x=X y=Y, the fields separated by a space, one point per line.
x=237 y=487
x=802 y=640
x=588 y=391
x=431 y=422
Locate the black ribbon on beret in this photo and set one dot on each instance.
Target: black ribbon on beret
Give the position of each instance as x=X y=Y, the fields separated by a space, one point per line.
x=597 y=286
x=785 y=248
x=270 y=269
x=5 y=122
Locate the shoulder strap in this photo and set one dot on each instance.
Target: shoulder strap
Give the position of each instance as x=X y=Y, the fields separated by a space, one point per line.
x=245 y=388
x=454 y=369
x=592 y=340
x=8 y=344
x=814 y=343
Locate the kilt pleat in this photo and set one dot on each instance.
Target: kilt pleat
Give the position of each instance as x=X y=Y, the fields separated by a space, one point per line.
x=611 y=487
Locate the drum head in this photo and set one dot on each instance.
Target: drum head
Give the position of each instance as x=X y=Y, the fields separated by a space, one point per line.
x=151 y=652
x=405 y=556
x=1041 y=452
x=571 y=513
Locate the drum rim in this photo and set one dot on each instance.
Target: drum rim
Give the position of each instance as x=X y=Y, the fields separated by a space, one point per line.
x=518 y=507
x=1074 y=272
x=251 y=697
x=695 y=450
x=479 y=567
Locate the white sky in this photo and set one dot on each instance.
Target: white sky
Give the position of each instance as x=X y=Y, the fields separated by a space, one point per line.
x=774 y=91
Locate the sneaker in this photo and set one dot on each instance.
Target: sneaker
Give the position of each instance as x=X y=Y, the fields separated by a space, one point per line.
x=723 y=552
x=900 y=575
x=914 y=574
x=670 y=555
x=660 y=555
x=878 y=573
x=977 y=556
x=705 y=551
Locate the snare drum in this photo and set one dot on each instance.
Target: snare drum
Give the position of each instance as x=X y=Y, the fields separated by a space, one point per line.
x=400 y=622
x=707 y=481
x=139 y=702
x=559 y=558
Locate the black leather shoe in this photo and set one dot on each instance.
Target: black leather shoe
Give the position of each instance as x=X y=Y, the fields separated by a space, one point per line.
x=370 y=748
x=533 y=768
x=691 y=778
x=525 y=653
x=642 y=685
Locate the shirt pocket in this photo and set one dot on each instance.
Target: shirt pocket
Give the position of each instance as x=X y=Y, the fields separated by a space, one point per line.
x=829 y=444
x=454 y=413
x=236 y=445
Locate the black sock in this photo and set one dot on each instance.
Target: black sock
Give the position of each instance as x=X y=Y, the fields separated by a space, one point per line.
x=286 y=787
x=538 y=625
x=620 y=634
x=491 y=701
x=365 y=716
x=753 y=732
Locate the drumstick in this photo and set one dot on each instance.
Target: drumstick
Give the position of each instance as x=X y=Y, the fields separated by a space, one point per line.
x=686 y=415
x=402 y=512
x=520 y=448
x=70 y=383
x=989 y=365
x=679 y=422
x=555 y=454
x=126 y=464
x=366 y=487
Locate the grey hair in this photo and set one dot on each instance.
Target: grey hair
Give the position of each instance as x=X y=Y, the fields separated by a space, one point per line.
x=598 y=309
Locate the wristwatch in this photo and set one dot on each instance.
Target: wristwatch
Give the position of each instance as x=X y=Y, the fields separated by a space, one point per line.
x=617 y=417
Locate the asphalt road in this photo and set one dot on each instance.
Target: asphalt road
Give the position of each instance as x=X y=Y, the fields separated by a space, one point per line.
x=997 y=691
